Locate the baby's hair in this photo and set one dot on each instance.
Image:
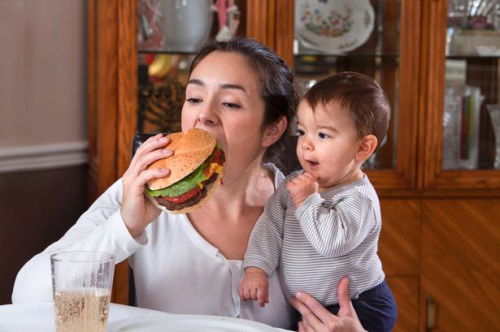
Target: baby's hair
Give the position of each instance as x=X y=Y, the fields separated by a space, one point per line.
x=358 y=95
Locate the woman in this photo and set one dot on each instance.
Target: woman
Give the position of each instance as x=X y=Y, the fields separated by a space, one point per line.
x=243 y=93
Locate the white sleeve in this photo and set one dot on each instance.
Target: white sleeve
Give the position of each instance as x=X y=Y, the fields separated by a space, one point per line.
x=101 y=228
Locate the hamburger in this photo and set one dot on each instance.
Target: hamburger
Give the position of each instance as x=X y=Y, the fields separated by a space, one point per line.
x=195 y=172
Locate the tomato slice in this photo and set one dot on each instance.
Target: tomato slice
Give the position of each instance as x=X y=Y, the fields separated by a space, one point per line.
x=184 y=197
x=217 y=158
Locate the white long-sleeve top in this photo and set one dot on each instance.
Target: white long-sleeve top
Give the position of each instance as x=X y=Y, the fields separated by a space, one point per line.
x=175 y=269
x=331 y=235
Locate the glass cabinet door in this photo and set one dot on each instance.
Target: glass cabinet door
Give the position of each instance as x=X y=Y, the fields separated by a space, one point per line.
x=169 y=34
x=361 y=36
x=471 y=118
x=378 y=38
x=463 y=96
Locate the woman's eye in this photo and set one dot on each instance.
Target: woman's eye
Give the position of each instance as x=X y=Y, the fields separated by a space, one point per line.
x=301 y=132
x=193 y=100
x=231 y=105
x=323 y=135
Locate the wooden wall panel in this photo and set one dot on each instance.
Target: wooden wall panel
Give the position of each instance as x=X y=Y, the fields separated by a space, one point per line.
x=111 y=82
x=102 y=94
x=400 y=237
x=409 y=74
x=127 y=82
x=127 y=115
x=284 y=31
x=405 y=290
x=460 y=263
x=258 y=21
x=436 y=21
x=106 y=92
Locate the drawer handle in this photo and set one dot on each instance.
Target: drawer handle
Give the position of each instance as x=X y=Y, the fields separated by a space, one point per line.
x=431 y=314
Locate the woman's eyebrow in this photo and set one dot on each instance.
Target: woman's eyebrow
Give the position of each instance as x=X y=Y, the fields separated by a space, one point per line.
x=233 y=86
x=196 y=81
x=224 y=86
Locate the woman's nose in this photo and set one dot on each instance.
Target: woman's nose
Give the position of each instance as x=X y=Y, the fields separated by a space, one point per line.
x=208 y=116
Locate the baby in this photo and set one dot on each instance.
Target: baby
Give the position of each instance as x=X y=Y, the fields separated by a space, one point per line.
x=324 y=221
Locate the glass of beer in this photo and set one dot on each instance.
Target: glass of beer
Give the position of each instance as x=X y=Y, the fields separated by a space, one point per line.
x=81 y=287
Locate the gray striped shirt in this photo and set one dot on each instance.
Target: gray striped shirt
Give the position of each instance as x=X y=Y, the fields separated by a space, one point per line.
x=331 y=235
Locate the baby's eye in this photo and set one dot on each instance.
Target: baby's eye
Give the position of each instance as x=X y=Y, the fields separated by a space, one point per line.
x=193 y=100
x=323 y=135
x=301 y=132
x=231 y=105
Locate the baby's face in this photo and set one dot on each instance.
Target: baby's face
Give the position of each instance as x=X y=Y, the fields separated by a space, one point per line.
x=327 y=144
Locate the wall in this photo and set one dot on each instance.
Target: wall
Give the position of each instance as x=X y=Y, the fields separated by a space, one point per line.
x=42 y=72
x=43 y=127
x=36 y=209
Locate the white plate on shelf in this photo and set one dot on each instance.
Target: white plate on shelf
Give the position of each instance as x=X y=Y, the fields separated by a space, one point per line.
x=333 y=26
x=488 y=50
x=187 y=323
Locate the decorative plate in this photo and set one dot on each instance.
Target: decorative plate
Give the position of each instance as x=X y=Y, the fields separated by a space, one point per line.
x=333 y=26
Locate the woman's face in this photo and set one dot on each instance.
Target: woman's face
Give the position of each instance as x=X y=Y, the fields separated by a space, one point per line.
x=222 y=97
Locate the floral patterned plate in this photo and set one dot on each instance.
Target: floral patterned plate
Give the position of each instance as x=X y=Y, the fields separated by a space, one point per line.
x=333 y=26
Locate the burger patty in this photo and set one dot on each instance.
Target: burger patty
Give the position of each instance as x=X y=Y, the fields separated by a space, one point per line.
x=190 y=202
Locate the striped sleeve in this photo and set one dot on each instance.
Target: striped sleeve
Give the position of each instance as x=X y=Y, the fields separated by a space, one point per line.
x=264 y=247
x=336 y=229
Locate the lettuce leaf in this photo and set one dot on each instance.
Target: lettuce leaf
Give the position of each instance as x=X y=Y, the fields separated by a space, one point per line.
x=186 y=184
x=182 y=186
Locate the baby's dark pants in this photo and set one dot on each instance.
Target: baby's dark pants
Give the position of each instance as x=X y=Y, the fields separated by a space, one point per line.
x=376 y=308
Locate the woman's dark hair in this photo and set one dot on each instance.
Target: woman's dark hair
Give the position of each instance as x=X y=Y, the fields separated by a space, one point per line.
x=360 y=96
x=275 y=82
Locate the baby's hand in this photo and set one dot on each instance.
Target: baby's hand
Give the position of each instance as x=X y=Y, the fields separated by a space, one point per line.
x=302 y=187
x=255 y=286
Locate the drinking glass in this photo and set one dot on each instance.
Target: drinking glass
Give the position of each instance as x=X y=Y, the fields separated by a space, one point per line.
x=81 y=287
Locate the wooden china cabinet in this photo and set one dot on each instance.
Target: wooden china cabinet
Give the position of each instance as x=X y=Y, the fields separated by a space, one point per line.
x=440 y=241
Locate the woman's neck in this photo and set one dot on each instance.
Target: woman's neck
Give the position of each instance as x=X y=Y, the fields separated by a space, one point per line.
x=240 y=196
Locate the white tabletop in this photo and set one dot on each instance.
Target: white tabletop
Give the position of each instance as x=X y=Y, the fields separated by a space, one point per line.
x=40 y=316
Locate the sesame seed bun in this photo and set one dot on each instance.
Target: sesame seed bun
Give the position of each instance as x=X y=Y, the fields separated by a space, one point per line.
x=191 y=149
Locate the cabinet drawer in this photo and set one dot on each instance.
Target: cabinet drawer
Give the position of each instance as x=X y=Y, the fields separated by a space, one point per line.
x=400 y=236
x=405 y=290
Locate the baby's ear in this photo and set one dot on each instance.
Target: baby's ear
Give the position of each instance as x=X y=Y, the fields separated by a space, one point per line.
x=366 y=148
x=274 y=131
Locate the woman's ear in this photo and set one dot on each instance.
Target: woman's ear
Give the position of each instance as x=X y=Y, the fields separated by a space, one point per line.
x=366 y=148
x=274 y=131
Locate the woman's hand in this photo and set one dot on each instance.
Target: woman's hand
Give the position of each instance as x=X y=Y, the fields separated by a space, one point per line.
x=137 y=211
x=315 y=318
